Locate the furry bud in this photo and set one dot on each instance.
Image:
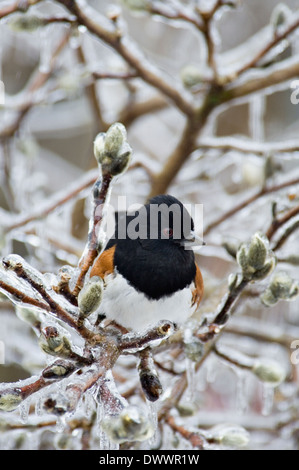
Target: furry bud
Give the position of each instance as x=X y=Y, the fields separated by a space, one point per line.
x=112 y=151
x=282 y=287
x=255 y=258
x=90 y=297
x=132 y=424
x=270 y=372
x=52 y=342
x=191 y=76
x=28 y=23
x=230 y=435
x=10 y=399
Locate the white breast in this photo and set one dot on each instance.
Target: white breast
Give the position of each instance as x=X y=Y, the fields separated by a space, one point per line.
x=133 y=310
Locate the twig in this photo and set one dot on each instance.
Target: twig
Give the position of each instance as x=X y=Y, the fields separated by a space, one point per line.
x=289 y=230
x=276 y=40
x=264 y=191
x=124 y=48
x=226 y=144
x=92 y=94
x=61 y=198
x=24 y=298
x=54 y=307
x=181 y=14
x=276 y=74
x=38 y=80
x=136 y=341
x=194 y=438
x=92 y=249
x=277 y=223
x=19 y=5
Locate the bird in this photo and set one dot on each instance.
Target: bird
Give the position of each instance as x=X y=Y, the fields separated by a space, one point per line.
x=148 y=270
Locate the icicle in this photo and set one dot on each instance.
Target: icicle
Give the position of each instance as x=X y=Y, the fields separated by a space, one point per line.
x=24 y=409
x=153 y=415
x=257 y=111
x=46 y=43
x=104 y=440
x=190 y=371
x=60 y=424
x=242 y=390
x=268 y=399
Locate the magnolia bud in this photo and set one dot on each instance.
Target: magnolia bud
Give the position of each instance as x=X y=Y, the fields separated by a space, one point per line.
x=282 y=287
x=137 y=5
x=257 y=250
x=230 y=435
x=191 y=75
x=132 y=424
x=26 y=22
x=255 y=258
x=10 y=399
x=52 y=342
x=269 y=371
x=29 y=315
x=58 y=369
x=112 y=151
x=90 y=296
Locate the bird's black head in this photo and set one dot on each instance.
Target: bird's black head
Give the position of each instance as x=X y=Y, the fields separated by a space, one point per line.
x=151 y=255
x=163 y=219
x=168 y=219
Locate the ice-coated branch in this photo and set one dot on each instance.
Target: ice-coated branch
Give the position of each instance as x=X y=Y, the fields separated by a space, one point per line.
x=262 y=192
x=18 y=266
x=279 y=222
x=277 y=38
x=113 y=153
x=35 y=84
x=17 y=6
x=85 y=16
x=197 y=441
x=137 y=341
x=12 y=395
x=148 y=376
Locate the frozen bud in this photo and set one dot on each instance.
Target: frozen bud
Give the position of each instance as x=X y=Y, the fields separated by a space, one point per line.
x=282 y=287
x=191 y=75
x=253 y=172
x=99 y=146
x=58 y=406
x=255 y=258
x=115 y=138
x=186 y=408
x=29 y=315
x=268 y=371
x=137 y=5
x=257 y=250
x=90 y=296
x=230 y=435
x=112 y=151
x=280 y=16
x=132 y=424
x=149 y=379
x=52 y=342
x=265 y=271
x=151 y=385
x=27 y=23
x=194 y=349
x=58 y=369
x=10 y=399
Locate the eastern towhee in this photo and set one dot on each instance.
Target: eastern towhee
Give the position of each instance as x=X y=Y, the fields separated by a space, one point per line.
x=149 y=274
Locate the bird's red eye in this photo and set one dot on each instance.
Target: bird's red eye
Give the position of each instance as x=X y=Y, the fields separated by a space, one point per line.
x=167 y=232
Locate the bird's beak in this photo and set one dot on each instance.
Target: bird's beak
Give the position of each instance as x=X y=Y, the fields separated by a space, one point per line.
x=193 y=240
